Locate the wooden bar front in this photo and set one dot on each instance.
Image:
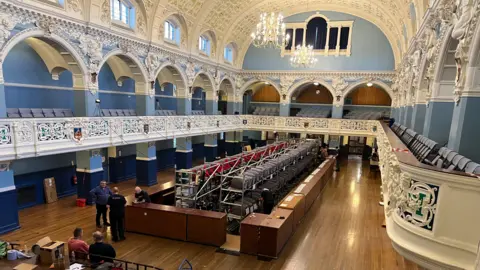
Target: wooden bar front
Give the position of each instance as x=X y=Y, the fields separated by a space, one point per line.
x=296 y=203
x=158 y=220
x=207 y=227
x=249 y=233
x=275 y=230
x=199 y=226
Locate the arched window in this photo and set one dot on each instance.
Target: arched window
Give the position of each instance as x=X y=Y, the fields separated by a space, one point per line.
x=327 y=37
x=171 y=32
x=229 y=53
x=204 y=45
x=123 y=12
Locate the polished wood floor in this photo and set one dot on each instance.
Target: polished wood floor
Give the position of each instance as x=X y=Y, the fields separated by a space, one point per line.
x=341 y=231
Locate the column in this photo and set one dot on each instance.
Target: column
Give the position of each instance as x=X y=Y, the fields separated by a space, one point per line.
x=293 y=39
x=418 y=117
x=210 y=147
x=233 y=143
x=328 y=40
x=337 y=111
x=145 y=105
x=8 y=199
x=85 y=104
x=337 y=48
x=211 y=103
x=408 y=116
x=184 y=153
x=3 y=103
x=89 y=172
x=284 y=109
x=465 y=131
x=438 y=119
x=146 y=164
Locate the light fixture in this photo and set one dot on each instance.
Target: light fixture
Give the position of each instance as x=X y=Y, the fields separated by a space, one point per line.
x=316 y=83
x=317 y=92
x=267 y=83
x=369 y=84
x=303 y=57
x=270 y=32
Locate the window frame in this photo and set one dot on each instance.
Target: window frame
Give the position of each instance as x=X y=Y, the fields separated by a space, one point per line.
x=330 y=24
x=204 y=45
x=228 y=54
x=171 y=29
x=125 y=9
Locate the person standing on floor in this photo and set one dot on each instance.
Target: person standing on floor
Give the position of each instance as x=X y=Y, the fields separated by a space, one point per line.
x=100 y=196
x=117 y=203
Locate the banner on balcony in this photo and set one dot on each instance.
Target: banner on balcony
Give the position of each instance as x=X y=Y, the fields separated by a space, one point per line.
x=400 y=150
x=146 y=128
x=421 y=204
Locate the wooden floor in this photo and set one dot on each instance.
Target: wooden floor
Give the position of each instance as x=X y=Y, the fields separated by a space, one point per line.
x=342 y=230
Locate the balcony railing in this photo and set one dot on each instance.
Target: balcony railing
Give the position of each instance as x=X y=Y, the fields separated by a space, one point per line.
x=22 y=138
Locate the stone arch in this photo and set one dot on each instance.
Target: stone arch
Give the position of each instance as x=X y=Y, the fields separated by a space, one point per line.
x=440 y=75
x=171 y=73
x=205 y=81
x=74 y=60
x=251 y=82
x=383 y=85
x=210 y=34
x=228 y=88
x=472 y=76
x=295 y=87
x=127 y=65
x=180 y=22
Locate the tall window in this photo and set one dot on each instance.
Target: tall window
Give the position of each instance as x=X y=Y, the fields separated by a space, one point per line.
x=120 y=11
x=228 y=54
x=170 y=30
x=204 y=44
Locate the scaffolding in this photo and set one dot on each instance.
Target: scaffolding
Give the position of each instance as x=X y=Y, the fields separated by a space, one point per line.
x=199 y=187
x=241 y=188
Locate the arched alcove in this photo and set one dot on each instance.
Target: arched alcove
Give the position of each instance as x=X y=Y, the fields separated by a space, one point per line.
x=368 y=96
x=41 y=73
x=170 y=84
x=262 y=98
x=226 y=97
x=311 y=99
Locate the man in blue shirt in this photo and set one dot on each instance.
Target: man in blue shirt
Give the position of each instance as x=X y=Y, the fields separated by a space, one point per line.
x=100 y=196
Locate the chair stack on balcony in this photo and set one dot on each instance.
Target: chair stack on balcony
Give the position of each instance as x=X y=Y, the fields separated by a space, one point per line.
x=118 y=112
x=314 y=113
x=38 y=113
x=198 y=112
x=165 y=113
x=429 y=152
x=366 y=115
x=273 y=111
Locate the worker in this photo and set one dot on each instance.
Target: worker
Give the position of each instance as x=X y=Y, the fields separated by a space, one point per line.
x=117 y=202
x=268 y=201
x=100 y=196
x=141 y=196
x=105 y=252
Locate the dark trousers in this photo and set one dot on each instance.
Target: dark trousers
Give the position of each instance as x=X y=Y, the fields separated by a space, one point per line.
x=117 y=227
x=267 y=208
x=101 y=211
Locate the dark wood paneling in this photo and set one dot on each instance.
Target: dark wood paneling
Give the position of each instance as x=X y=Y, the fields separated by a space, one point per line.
x=310 y=95
x=370 y=96
x=267 y=93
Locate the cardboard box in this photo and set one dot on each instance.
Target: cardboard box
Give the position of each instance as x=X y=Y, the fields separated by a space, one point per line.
x=50 y=250
x=50 y=190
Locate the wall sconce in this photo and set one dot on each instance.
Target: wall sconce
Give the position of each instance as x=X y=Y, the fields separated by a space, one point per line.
x=152 y=85
x=338 y=98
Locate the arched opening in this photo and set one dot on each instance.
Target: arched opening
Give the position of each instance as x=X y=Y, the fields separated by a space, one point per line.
x=367 y=101
x=316 y=34
x=261 y=98
x=311 y=100
x=169 y=85
x=175 y=31
x=226 y=98
x=41 y=77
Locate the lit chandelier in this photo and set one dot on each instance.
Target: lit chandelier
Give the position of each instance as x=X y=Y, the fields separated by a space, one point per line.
x=270 y=32
x=303 y=56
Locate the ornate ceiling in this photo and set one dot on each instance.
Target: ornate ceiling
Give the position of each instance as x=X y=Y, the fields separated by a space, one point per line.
x=234 y=20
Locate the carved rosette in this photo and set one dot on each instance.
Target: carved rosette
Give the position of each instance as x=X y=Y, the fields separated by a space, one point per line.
x=339 y=84
x=190 y=72
x=285 y=84
x=7 y=23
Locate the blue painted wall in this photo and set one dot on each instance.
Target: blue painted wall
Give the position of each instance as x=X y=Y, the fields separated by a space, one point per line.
x=165 y=100
x=438 y=119
x=121 y=100
x=370 y=49
x=24 y=66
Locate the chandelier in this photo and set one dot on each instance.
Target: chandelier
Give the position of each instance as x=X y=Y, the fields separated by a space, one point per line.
x=270 y=32
x=303 y=56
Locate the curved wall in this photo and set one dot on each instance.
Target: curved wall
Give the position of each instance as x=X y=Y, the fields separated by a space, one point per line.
x=370 y=49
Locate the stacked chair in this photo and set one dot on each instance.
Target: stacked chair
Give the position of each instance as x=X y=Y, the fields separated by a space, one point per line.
x=165 y=113
x=198 y=112
x=366 y=115
x=314 y=113
x=38 y=113
x=273 y=111
x=429 y=152
x=118 y=112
